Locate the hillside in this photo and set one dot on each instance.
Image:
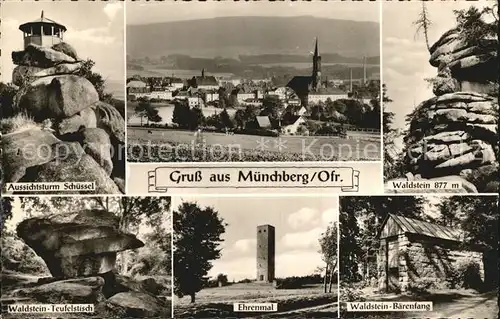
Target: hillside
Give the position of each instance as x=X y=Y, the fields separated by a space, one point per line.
x=236 y=36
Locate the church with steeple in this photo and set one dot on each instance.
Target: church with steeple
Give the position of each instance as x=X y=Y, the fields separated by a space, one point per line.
x=316 y=73
x=312 y=89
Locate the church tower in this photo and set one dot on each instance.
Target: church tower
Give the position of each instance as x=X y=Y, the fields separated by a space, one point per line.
x=316 y=75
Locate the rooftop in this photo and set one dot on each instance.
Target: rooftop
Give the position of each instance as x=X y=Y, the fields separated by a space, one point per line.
x=419 y=227
x=42 y=20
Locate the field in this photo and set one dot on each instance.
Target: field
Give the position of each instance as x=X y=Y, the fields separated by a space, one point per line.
x=168 y=145
x=308 y=302
x=166 y=111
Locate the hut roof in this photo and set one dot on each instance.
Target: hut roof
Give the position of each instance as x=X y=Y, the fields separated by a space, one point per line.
x=419 y=227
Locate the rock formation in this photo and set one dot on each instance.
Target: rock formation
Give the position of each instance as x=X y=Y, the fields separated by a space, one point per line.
x=80 y=250
x=91 y=132
x=454 y=134
x=77 y=244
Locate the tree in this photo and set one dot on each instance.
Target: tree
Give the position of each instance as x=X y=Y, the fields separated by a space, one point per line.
x=272 y=107
x=223 y=98
x=328 y=244
x=145 y=109
x=423 y=24
x=6 y=211
x=239 y=118
x=477 y=218
x=7 y=100
x=155 y=258
x=222 y=279
x=472 y=25
x=393 y=158
x=182 y=114
x=360 y=234
x=96 y=79
x=197 y=236
x=317 y=111
x=197 y=118
x=349 y=247
x=226 y=120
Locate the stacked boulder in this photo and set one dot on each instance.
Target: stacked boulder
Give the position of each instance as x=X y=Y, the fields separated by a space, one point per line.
x=80 y=250
x=79 y=138
x=454 y=134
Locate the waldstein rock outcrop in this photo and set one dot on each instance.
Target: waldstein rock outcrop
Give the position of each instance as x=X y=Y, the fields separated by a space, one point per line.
x=77 y=244
x=84 y=138
x=454 y=134
x=80 y=250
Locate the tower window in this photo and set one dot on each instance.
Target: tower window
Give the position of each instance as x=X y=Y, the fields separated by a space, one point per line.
x=264 y=230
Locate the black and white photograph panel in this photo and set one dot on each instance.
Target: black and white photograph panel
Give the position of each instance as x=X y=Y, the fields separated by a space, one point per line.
x=248 y=257
x=441 y=93
x=419 y=257
x=86 y=257
x=253 y=81
x=62 y=95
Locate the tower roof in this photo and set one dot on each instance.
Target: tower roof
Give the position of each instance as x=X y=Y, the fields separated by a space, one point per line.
x=316 y=52
x=42 y=20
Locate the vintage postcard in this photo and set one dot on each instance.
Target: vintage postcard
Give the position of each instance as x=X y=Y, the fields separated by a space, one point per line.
x=441 y=96
x=418 y=256
x=253 y=82
x=63 y=90
x=86 y=257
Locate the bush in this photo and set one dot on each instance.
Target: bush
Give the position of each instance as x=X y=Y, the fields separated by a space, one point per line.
x=143 y=151
x=297 y=282
x=16 y=123
x=258 y=131
x=18 y=256
x=245 y=281
x=420 y=286
x=349 y=293
x=465 y=274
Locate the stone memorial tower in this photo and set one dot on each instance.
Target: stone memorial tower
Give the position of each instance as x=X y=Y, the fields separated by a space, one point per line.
x=266 y=247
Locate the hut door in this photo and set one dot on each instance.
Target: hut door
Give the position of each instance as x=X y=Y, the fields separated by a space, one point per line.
x=392 y=266
x=393 y=279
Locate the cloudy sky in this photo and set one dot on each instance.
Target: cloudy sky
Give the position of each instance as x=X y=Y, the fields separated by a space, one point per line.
x=151 y=12
x=95 y=30
x=405 y=55
x=298 y=222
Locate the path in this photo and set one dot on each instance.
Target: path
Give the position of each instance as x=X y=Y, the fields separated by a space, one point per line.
x=468 y=306
x=322 y=311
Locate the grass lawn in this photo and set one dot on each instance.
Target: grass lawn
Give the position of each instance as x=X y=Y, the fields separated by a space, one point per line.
x=219 y=301
x=252 y=147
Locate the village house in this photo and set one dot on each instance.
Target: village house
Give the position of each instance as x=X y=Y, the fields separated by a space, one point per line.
x=137 y=89
x=293 y=127
x=295 y=108
x=322 y=95
x=211 y=96
x=204 y=82
x=253 y=102
x=181 y=95
x=281 y=93
x=412 y=250
x=243 y=96
x=264 y=122
x=195 y=101
x=176 y=84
